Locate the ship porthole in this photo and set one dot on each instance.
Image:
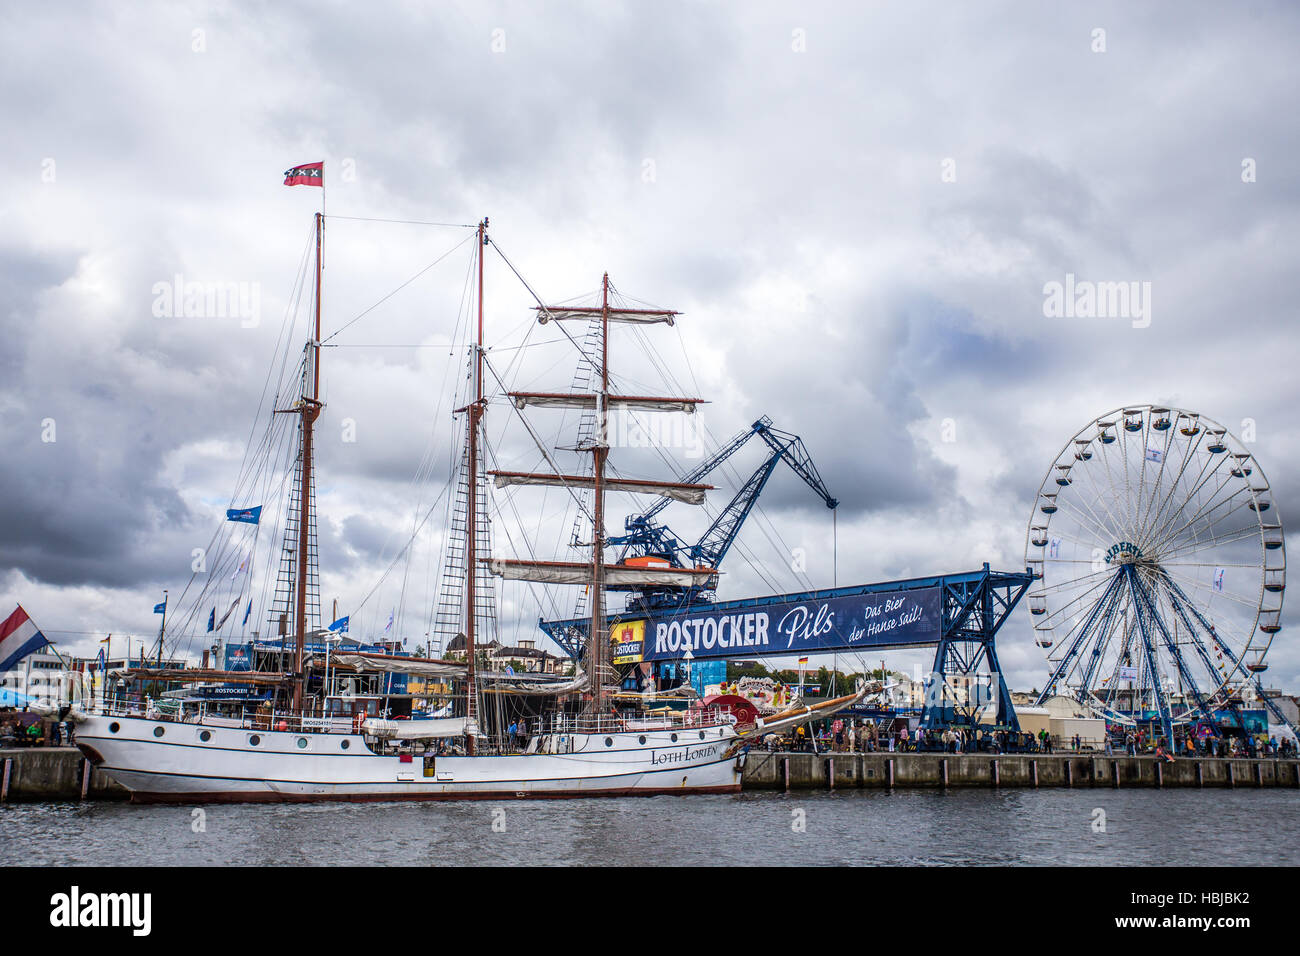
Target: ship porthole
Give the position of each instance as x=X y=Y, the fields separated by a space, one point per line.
x=114 y=727
x=701 y=735
x=254 y=740
x=641 y=739
x=302 y=743
x=205 y=735
x=674 y=738
x=609 y=741
x=345 y=744
x=157 y=731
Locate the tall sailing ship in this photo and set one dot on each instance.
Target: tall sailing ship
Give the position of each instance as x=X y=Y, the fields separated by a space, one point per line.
x=312 y=741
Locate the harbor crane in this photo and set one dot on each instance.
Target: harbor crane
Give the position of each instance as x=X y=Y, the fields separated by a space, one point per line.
x=649 y=543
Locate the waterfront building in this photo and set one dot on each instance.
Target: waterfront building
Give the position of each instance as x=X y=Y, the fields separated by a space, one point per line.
x=44 y=677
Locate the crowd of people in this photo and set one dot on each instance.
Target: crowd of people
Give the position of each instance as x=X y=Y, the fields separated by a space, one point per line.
x=866 y=736
x=841 y=736
x=1248 y=745
x=19 y=728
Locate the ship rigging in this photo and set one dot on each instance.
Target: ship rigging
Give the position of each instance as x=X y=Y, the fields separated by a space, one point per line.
x=574 y=741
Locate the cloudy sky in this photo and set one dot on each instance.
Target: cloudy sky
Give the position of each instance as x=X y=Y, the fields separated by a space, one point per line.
x=856 y=207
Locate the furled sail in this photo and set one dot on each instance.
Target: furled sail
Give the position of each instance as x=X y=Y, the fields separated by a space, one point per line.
x=196 y=675
x=690 y=494
x=634 y=316
x=588 y=400
x=396 y=665
x=421 y=729
x=528 y=684
x=616 y=575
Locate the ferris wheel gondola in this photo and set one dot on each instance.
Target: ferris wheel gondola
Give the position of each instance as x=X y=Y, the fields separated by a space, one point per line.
x=1159 y=567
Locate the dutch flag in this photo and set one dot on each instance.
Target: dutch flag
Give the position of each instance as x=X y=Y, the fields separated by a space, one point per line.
x=18 y=638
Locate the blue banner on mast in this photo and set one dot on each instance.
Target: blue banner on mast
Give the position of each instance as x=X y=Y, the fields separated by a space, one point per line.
x=246 y=515
x=819 y=625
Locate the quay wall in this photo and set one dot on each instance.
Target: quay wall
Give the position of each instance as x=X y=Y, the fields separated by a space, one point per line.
x=62 y=773
x=833 y=771
x=53 y=773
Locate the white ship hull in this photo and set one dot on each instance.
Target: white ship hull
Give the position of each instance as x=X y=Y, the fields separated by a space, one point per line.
x=164 y=761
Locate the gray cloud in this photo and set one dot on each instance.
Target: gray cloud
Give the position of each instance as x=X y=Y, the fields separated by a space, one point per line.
x=790 y=203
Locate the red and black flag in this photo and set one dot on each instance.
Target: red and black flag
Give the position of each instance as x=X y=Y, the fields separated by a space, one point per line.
x=309 y=174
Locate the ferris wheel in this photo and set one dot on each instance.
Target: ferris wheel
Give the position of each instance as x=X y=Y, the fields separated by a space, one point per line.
x=1159 y=567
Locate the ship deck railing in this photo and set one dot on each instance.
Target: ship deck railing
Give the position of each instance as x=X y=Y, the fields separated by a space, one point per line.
x=631 y=722
x=555 y=724
x=245 y=720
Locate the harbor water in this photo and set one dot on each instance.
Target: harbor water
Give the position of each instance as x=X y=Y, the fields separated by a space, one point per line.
x=1093 y=827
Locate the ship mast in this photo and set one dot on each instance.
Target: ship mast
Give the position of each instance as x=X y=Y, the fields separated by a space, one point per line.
x=309 y=408
x=596 y=643
x=471 y=522
x=595 y=574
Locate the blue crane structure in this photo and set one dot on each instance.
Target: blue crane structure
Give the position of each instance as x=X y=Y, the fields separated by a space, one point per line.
x=647 y=538
x=957 y=614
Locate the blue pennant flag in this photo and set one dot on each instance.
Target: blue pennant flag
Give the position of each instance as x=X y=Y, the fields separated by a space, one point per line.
x=160 y=608
x=212 y=619
x=341 y=624
x=246 y=515
x=247 y=612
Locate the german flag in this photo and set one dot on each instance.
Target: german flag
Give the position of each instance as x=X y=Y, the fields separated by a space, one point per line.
x=308 y=174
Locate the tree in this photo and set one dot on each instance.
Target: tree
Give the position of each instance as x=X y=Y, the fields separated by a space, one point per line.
x=739 y=669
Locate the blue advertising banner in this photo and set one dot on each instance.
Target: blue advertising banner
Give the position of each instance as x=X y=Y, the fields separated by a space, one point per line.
x=706 y=673
x=854 y=622
x=233 y=692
